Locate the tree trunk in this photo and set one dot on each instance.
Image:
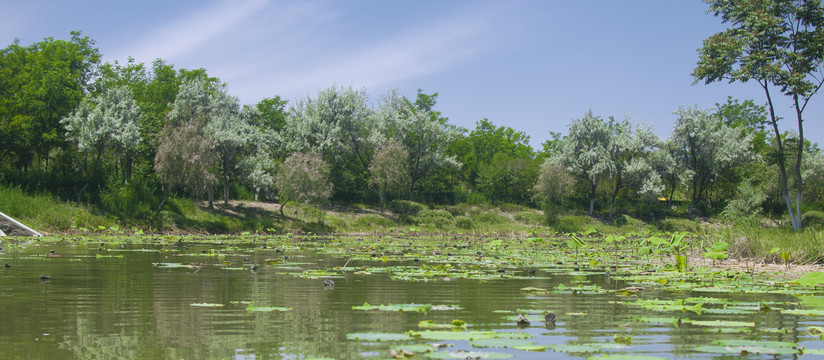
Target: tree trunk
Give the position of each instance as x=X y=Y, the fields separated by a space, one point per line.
x=782 y=170
x=226 y=191
x=592 y=199
x=797 y=225
x=614 y=195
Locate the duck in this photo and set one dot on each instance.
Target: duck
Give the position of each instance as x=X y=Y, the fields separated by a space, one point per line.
x=328 y=283
x=522 y=320
x=45 y=277
x=550 y=318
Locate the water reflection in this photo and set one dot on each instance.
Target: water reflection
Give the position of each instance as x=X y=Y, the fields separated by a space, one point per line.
x=116 y=304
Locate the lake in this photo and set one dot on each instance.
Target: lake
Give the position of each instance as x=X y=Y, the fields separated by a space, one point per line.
x=255 y=297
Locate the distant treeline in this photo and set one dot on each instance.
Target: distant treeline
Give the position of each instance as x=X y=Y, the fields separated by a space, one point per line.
x=124 y=137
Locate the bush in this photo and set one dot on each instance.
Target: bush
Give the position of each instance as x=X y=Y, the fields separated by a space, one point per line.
x=440 y=219
x=746 y=205
x=406 y=207
x=813 y=219
x=672 y=224
x=529 y=217
x=490 y=218
x=464 y=222
x=571 y=224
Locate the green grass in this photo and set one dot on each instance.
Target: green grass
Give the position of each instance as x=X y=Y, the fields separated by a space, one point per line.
x=751 y=239
x=45 y=213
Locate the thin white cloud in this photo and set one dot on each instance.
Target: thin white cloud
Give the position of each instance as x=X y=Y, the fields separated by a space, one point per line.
x=412 y=52
x=188 y=34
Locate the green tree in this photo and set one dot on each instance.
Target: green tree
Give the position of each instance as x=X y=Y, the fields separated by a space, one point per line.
x=778 y=44
x=39 y=85
x=585 y=152
x=484 y=143
x=272 y=113
x=303 y=178
x=553 y=188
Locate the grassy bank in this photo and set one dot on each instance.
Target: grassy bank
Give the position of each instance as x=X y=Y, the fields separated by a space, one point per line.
x=761 y=240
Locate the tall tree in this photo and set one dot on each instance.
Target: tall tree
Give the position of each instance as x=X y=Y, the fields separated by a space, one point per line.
x=629 y=144
x=186 y=153
x=423 y=132
x=585 y=152
x=777 y=43
x=106 y=121
x=388 y=168
x=39 y=85
x=705 y=148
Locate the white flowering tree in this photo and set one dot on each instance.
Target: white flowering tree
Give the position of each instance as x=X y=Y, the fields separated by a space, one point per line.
x=108 y=121
x=629 y=146
x=704 y=147
x=585 y=152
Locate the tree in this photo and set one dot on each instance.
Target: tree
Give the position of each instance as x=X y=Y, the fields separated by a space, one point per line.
x=553 y=188
x=705 y=148
x=39 y=85
x=585 y=152
x=186 y=157
x=424 y=134
x=388 y=168
x=485 y=142
x=231 y=131
x=507 y=179
x=272 y=113
x=628 y=148
x=337 y=125
x=778 y=44
x=186 y=153
x=106 y=121
x=303 y=178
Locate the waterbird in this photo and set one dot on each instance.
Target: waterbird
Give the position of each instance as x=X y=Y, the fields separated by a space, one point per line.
x=522 y=320
x=549 y=318
x=7 y=265
x=45 y=277
x=328 y=283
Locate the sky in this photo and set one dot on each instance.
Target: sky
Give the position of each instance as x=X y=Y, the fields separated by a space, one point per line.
x=532 y=65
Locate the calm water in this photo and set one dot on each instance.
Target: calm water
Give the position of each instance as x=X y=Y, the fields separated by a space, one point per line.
x=115 y=304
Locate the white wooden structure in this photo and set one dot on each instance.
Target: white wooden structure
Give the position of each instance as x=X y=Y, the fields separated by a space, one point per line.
x=18 y=224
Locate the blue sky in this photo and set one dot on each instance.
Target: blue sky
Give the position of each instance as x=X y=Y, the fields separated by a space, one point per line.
x=531 y=65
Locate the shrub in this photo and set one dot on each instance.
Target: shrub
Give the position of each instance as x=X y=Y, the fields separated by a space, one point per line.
x=406 y=207
x=671 y=224
x=813 y=219
x=570 y=224
x=747 y=203
x=490 y=218
x=464 y=222
x=529 y=217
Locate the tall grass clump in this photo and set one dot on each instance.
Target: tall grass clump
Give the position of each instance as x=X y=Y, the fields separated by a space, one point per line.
x=46 y=213
x=753 y=240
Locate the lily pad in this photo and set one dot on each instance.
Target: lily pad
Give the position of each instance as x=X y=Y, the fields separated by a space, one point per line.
x=377 y=336
x=206 y=305
x=723 y=323
x=451 y=335
x=624 y=357
x=253 y=308
x=500 y=343
x=460 y=354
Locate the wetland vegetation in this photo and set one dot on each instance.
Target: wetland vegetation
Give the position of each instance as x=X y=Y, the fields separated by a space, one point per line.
x=397 y=296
